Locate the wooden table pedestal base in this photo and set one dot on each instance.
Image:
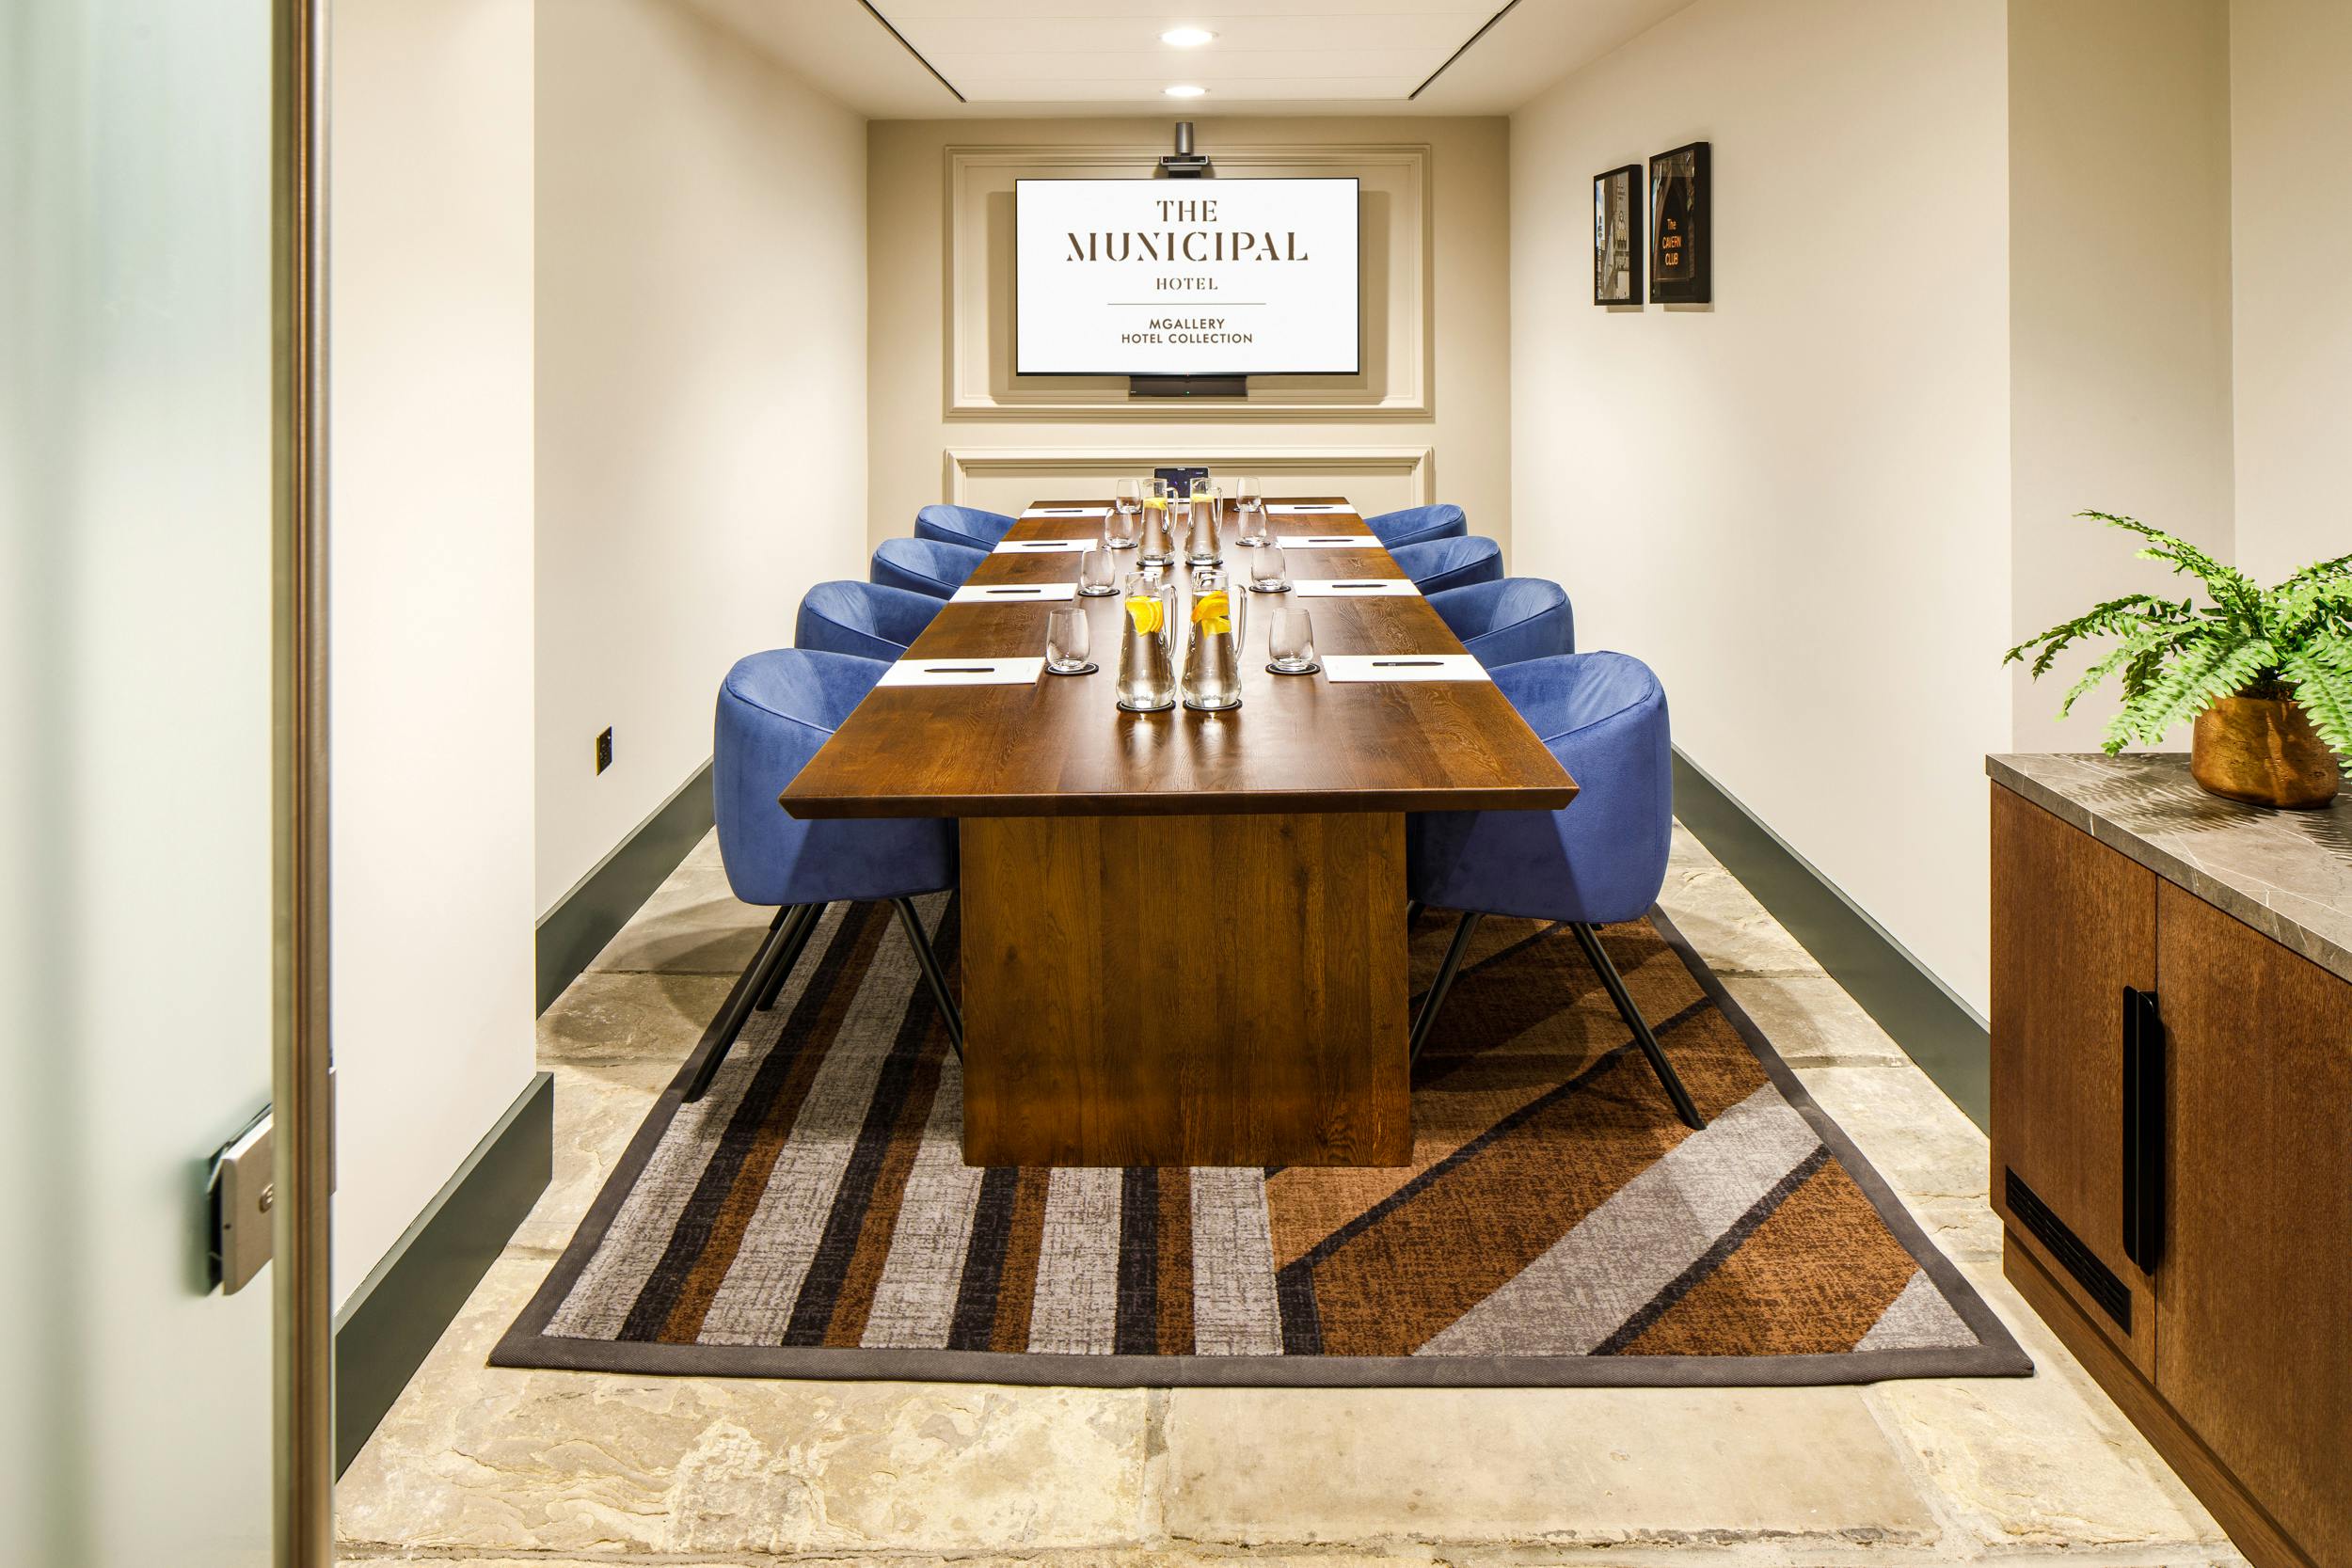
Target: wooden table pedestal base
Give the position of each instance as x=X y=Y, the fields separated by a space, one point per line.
x=1185 y=991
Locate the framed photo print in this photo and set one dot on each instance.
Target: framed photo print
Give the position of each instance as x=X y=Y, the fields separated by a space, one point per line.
x=1681 y=270
x=1616 y=247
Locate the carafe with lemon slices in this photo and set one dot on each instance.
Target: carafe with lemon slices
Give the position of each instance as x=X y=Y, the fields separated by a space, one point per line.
x=1158 y=540
x=1212 y=652
x=1147 y=668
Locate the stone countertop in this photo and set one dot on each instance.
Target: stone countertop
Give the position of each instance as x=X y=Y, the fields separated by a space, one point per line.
x=2288 y=873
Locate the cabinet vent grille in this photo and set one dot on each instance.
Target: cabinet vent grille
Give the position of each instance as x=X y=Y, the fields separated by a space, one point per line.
x=2113 y=1296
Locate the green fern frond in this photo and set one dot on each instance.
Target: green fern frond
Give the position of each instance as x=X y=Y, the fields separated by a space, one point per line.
x=2323 y=689
x=2318 y=571
x=2096 y=674
x=2207 y=670
x=2233 y=590
x=2106 y=620
x=2142 y=673
x=2311 y=607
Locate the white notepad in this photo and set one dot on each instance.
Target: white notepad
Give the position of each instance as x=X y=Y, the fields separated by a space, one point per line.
x=963 y=671
x=1330 y=541
x=1017 y=592
x=1308 y=506
x=1065 y=512
x=1355 y=588
x=1402 y=667
x=1045 y=547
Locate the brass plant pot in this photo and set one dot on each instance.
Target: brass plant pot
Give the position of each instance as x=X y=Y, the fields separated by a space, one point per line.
x=2263 y=751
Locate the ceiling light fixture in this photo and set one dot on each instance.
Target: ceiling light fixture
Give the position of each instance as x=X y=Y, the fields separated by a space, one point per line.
x=1185 y=91
x=1186 y=37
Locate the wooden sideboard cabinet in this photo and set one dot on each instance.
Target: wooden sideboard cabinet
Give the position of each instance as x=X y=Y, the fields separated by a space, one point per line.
x=2173 y=1123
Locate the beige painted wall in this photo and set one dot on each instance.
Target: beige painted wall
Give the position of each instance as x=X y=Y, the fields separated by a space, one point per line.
x=2291 y=131
x=701 y=393
x=1429 y=419
x=2119 y=313
x=1794 y=506
x=431 y=402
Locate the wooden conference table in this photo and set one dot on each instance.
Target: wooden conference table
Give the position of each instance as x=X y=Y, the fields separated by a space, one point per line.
x=1183 y=937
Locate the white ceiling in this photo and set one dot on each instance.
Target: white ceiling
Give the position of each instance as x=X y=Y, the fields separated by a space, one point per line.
x=1062 y=51
x=1103 y=57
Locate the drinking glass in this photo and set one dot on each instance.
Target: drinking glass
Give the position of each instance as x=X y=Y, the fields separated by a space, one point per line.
x=1119 y=529
x=1207 y=549
x=1268 y=572
x=1290 y=640
x=1067 y=641
x=1147 y=675
x=1212 y=657
x=1098 y=574
x=1244 y=489
x=1251 y=520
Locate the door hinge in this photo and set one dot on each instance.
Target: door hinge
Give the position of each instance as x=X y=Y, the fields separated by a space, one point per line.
x=244 y=1191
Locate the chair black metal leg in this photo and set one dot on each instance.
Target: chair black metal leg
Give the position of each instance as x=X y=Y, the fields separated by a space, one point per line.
x=771 y=962
x=933 y=976
x=801 y=924
x=1444 y=982
x=1412 y=911
x=1668 y=1079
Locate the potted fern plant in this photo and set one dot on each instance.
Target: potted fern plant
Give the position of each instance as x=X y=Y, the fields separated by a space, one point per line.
x=2265 y=672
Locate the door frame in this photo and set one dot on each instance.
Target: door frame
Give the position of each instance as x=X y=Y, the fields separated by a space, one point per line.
x=303 y=1288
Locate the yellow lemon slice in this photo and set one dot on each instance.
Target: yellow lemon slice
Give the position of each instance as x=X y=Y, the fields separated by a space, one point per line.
x=1144 y=610
x=1213 y=612
x=1157 y=503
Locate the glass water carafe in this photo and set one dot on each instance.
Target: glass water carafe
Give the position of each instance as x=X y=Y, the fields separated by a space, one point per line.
x=1156 y=544
x=1213 y=649
x=1147 y=669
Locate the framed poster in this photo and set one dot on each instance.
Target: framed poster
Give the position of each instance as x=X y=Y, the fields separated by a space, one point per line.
x=1681 y=270
x=1616 y=255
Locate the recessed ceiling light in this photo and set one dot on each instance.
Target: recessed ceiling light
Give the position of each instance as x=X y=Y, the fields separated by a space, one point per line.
x=1185 y=91
x=1186 y=37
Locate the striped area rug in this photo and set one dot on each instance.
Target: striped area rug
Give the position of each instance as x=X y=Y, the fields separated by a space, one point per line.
x=812 y=1215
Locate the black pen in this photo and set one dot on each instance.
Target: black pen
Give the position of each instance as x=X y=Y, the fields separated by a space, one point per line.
x=1012 y=590
x=1358 y=585
x=1410 y=664
x=958 y=669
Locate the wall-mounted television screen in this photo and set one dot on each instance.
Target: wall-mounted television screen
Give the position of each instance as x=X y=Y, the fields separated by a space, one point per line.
x=1187 y=278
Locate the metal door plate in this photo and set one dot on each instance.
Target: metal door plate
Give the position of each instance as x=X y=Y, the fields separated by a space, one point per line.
x=243 y=1192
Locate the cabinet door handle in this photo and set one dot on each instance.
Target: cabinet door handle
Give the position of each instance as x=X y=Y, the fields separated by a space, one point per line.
x=2143 y=1128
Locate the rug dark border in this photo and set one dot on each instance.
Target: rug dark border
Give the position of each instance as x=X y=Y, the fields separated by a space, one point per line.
x=1997 y=1355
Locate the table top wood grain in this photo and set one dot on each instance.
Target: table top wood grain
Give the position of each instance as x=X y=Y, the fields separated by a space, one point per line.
x=1298 y=743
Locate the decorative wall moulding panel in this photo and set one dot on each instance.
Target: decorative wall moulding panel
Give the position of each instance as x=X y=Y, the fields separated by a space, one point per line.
x=1399 y=319
x=1007 y=478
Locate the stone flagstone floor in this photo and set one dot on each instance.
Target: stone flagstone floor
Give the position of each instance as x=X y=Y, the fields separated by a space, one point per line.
x=483 y=1467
